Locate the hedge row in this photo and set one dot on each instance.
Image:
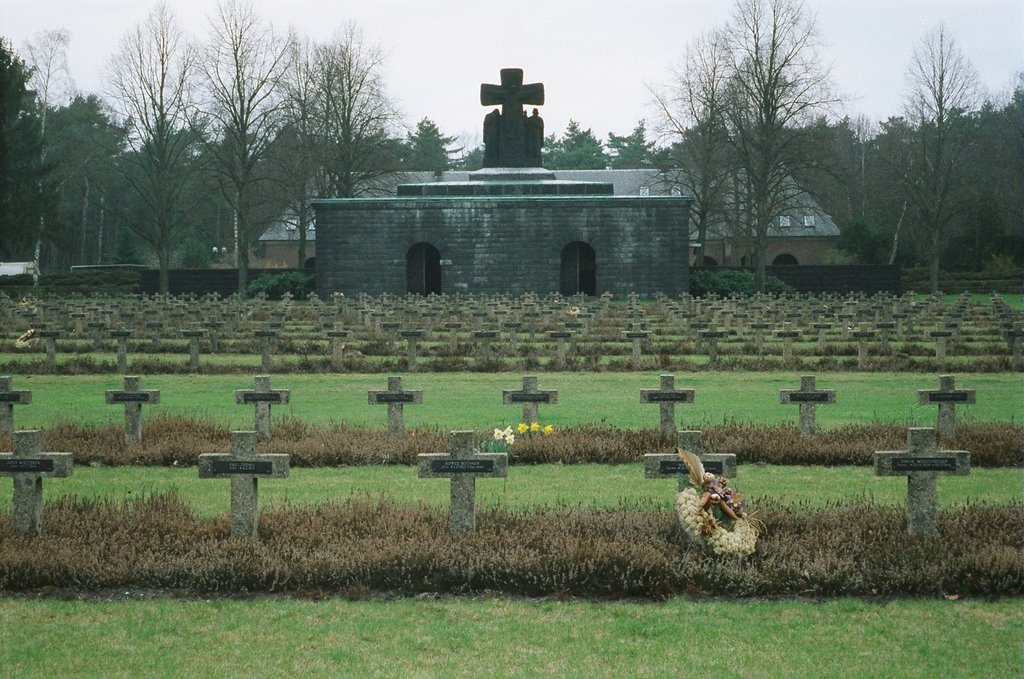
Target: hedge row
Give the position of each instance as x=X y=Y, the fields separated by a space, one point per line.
x=177 y=441
x=361 y=548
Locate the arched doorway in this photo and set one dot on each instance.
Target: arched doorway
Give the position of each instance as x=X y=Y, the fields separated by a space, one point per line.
x=710 y=261
x=423 y=270
x=785 y=259
x=579 y=269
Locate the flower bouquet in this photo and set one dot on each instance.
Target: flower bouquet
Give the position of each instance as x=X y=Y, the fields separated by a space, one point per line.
x=713 y=513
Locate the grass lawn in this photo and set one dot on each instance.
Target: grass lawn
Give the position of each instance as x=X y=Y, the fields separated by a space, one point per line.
x=507 y=637
x=473 y=400
x=527 y=486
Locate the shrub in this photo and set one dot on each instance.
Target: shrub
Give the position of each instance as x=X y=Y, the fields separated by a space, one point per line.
x=276 y=285
x=724 y=282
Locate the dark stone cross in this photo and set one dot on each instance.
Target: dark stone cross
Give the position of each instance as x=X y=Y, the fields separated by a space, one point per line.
x=509 y=136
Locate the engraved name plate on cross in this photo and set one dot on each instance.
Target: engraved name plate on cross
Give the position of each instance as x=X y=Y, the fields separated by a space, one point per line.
x=244 y=467
x=665 y=465
x=922 y=462
x=809 y=398
x=462 y=465
x=530 y=396
x=667 y=397
x=395 y=398
x=8 y=399
x=27 y=465
x=132 y=396
x=261 y=398
x=947 y=397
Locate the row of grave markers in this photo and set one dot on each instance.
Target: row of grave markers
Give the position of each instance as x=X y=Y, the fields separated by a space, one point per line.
x=922 y=462
x=396 y=397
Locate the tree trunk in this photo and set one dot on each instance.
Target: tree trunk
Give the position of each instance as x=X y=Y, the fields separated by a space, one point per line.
x=165 y=271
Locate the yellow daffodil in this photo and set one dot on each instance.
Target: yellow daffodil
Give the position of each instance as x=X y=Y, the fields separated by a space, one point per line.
x=534 y=427
x=523 y=427
x=548 y=429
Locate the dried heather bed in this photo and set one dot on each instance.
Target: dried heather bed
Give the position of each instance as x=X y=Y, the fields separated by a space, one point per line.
x=177 y=441
x=361 y=548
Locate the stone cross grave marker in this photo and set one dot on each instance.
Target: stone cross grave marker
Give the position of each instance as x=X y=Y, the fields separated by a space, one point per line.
x=122 y=348
x=758 y=327
x=821 y=328
x=8 y=399
x=787 y=335
x=266 y=338
x=667 y=396
x=921 y=463
x=27 y=465
x=561 y=336
x=947 y=397
x=412 y=338
x=262 y=397
x=941 y=338
x=193 y=348
x=530 y=397
x=710 y=338
x=133 y=397
x=244 y=467
x=665 y=465
x=50 y=338
x=395 y=398
x=462 y=465
x=809 y=397
x=637 y=337
x=485 y=338
x=862 y=337
x=337 y=347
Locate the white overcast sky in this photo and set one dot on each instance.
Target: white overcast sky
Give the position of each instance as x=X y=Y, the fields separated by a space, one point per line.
x=595 y=57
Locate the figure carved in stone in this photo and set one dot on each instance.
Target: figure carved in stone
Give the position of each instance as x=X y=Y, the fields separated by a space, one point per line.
x=513 y=137
x=534 y=139
x=492 y=136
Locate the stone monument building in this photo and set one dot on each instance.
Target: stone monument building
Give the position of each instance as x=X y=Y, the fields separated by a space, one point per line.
x=512 y=227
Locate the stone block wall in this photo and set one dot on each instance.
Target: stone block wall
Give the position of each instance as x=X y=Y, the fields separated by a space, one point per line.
x=503 y=244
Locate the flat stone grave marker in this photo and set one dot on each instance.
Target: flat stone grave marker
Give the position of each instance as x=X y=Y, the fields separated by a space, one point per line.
x=8 y=399
x=667 y=396
x=395 y=398
x=809 y=397
x=244 y=467
x=133 y=397
x=947 y=397
x=665 y=465
x=922 y=462
x=28 y=466
x=463 y=466
x=530 y=397
x=261 y=398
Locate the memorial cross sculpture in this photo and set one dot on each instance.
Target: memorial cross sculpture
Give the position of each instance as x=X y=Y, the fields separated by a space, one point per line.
x=510 y=138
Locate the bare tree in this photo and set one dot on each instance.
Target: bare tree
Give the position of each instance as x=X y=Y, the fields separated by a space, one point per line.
x=358 y=120
x=151 y=86
x=693 y=113
x=778 y=84
x=47 y=57
x=242 y=64
x=942 y=86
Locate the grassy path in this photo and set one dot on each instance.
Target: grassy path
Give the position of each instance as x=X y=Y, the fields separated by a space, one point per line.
x=473 y=400
x=503 y=637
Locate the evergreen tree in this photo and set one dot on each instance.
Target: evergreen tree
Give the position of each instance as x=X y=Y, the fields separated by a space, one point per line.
x=632 y=151
x=577 y=149
x=426 y=149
